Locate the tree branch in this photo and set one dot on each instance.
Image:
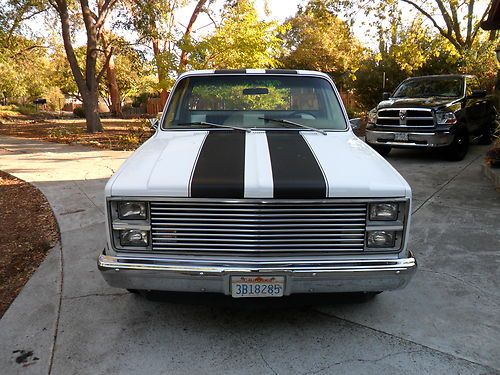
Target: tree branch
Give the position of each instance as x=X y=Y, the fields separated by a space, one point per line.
x=478 y=26
x=443 y=32
x=470 y=14
x=106 y=63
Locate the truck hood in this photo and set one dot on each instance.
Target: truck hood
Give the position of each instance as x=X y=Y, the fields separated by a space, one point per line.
x=430 y=102
x=259 y=164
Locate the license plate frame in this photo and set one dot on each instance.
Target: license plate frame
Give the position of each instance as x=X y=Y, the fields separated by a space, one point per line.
x=401 y=137
x=257 y=286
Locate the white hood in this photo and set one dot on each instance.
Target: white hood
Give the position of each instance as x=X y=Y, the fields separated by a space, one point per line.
x=257 y=164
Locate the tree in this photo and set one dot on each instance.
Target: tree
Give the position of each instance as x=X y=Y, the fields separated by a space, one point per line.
x=316 y=39
x=185 y=42
x=456 y=21
x=460 y=31
x=240 y=41
x=24 y=67
x=93 y=17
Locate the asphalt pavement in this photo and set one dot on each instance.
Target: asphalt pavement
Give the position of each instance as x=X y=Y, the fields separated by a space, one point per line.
x=447 y=321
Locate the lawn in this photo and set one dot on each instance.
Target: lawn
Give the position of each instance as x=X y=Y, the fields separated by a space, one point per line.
x=118 y=134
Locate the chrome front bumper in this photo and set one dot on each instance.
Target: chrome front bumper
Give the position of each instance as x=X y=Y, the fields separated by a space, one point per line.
x=415 y=139
x=304 y=277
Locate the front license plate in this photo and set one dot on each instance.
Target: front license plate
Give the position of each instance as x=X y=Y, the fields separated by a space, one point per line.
x=401 y=137
x=257 y=286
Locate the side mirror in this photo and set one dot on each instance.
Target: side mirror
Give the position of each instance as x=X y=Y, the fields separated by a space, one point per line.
x=154 y=123
x=477 y=94
x=355 y=123
x=386 y=95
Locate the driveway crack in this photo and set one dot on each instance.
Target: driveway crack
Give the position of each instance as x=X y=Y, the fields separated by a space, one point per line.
x=374 y=360
x=91 y=201
x=61 y=288
x=96 y=295
x=480 y=290
x=405 y=340
x=267 y=363
x=446 y=183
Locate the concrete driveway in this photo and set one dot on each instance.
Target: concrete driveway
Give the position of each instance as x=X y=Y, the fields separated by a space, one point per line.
x=68 y=321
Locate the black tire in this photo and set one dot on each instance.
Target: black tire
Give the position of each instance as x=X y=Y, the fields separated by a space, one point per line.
x=459 y=147
x=382 y=150
x=487 y=133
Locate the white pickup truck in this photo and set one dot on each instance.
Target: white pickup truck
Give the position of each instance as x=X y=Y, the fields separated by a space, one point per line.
x=254 y=185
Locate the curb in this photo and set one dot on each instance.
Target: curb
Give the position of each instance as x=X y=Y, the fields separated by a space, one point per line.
x=493 y=174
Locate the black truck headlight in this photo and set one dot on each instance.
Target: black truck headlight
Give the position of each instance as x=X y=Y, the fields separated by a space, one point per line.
x=446 y=118
x=372 y=116
x=134 y=238
x=132 y=210
x=381 y=239
x=384 y=211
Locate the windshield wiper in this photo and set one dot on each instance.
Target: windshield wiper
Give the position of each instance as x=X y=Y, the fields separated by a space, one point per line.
x=283 y=121
x=213 y=124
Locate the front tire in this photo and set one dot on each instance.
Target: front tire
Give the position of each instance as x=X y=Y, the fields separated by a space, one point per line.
x=487 y=133
x=459 y=147
x=382 y=150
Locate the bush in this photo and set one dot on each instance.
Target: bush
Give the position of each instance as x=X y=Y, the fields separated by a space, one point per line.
x=27 y=110
x=55 y=98
x=140 y=99
x=79 y=112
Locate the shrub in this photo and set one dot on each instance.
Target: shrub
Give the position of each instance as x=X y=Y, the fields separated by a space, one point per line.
x=79 y=112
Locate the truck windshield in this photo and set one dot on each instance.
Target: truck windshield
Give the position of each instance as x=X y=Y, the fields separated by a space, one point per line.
x=430 y=86
x=254 y=101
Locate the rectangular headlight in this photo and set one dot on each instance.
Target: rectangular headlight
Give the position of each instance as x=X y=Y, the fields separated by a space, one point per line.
x=380 y=238
x=134 y=238
x=384 y=211
x=132 y=210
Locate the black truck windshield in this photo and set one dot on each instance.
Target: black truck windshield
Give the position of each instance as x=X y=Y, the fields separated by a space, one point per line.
x=254 y=101
x=429 y=87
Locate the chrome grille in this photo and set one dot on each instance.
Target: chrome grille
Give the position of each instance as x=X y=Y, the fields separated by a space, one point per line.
x=417 y=117
x=249 y=227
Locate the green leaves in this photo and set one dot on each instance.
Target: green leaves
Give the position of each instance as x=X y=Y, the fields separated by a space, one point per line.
x=241 y=41
x=316 y=39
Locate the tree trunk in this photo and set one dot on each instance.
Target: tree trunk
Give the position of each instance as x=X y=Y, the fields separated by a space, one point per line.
x=91 y=108
x=157 y=55
x=114 y=92
x=197 y=10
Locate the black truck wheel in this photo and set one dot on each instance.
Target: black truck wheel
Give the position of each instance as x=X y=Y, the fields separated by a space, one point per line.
x=487 y=133
x=459 y=147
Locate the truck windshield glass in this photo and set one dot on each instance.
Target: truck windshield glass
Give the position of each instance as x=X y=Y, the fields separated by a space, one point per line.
x=254 y=101
x=429 y=87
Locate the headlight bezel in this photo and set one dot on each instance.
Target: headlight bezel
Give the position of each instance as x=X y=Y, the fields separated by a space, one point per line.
x=397 y=226
x=118 y=223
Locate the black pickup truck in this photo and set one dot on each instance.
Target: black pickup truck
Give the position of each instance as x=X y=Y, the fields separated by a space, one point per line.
x=443 y=111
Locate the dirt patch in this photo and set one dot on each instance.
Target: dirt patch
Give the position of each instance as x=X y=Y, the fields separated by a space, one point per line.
x=29 y=230
x=118 y=134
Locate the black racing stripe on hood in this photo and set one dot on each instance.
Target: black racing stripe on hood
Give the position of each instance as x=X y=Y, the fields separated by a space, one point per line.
x=220 y=169
x=296 y=173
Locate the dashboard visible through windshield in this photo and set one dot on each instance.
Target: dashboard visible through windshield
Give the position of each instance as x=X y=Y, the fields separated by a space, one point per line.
x=254 y=101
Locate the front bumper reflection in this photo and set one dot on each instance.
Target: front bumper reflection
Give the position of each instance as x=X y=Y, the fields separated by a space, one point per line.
x=361 y=275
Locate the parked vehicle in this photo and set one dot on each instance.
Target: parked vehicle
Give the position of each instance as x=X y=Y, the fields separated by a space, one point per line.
x=442 y=111
x=254 y=185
